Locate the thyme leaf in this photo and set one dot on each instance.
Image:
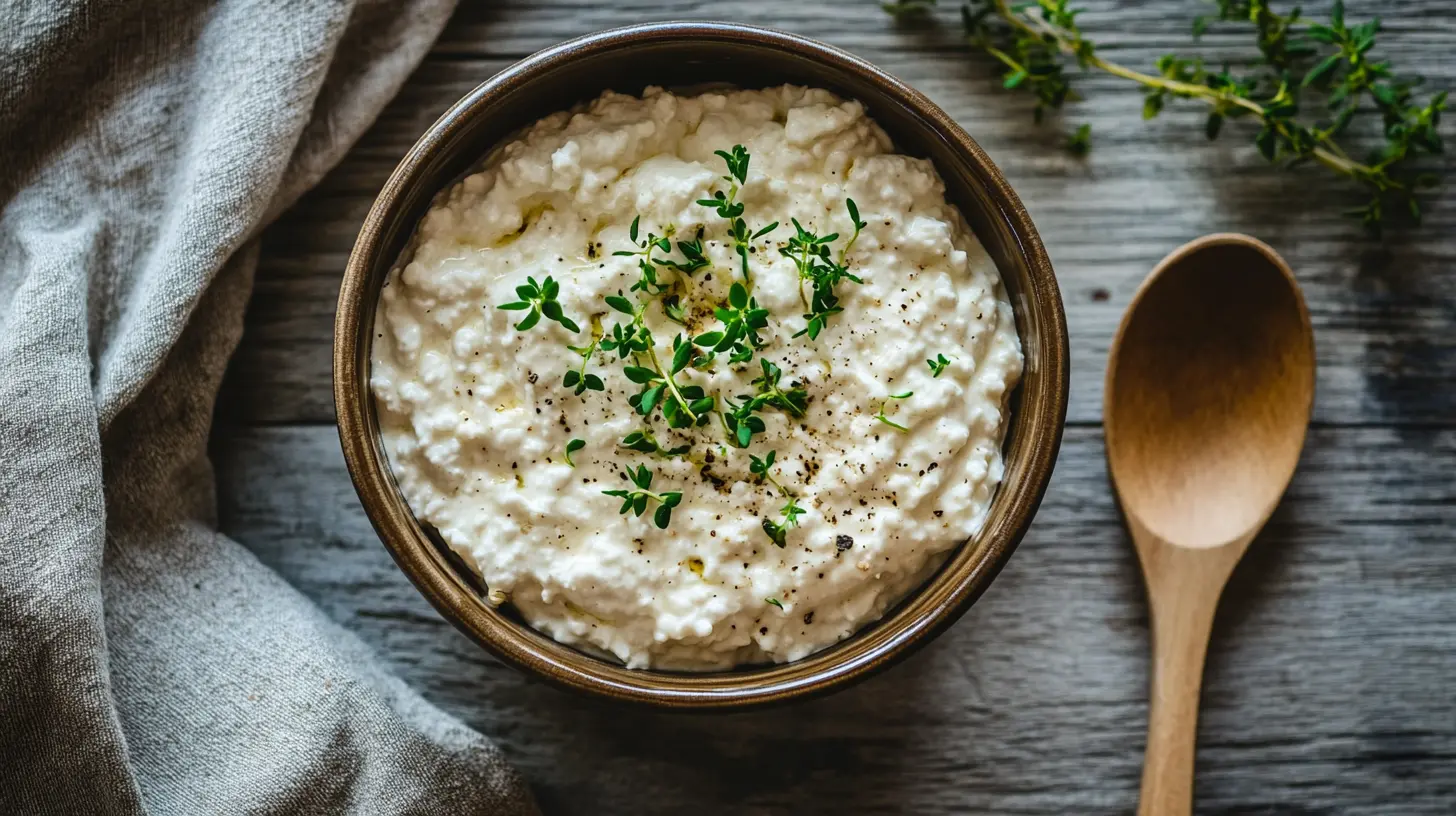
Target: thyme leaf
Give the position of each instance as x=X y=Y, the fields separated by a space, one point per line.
x=892 y=398
x=1037 y=43
x=537 y=299
x=637 y=501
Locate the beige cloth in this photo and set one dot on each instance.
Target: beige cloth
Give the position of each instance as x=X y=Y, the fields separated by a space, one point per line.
x=148 y=663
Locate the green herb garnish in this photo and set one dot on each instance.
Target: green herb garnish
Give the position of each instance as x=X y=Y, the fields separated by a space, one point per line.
x=540 y=299
x=1080 y=141
x=647 y=281
x=938 y=364
x=688 y=405
x=792 y=401
x=778 y=531
x=693 y=256
x=739 y=419
x=742 y=321
x=643 y=441
x=763 y=469
x=775 y=602
x=881 y=415
x=673 y=308
x=637 y=500
x=730 y=208
x=811 y=255
x=578 y=378
x=572 y=447
x=1037 y=42
x=859 y=225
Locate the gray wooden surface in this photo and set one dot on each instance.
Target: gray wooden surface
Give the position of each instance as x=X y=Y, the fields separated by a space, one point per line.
x=1331 y=685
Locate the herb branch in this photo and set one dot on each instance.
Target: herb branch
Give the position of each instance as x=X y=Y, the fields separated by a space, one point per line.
x=540 y=299
x=578 y=378
x=778 y=531
x=742 y=321
x=791 y=402
x=648 y=282
x=811 y=256
x=688 y=405
x=740 y=421
x=643 y=441
x=572 y=447
x=687 y=401
x=886 y=404
x=1037 y=42
x=763 y=469
x=636 y=501
x=730 y=208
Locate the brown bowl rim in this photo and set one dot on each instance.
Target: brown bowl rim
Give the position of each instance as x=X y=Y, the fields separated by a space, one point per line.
x=869 y=651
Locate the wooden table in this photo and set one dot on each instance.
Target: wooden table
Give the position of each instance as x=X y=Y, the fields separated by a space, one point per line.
x=1331 y=686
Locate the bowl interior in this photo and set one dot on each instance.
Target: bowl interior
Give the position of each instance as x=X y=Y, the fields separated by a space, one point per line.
x=677 y=55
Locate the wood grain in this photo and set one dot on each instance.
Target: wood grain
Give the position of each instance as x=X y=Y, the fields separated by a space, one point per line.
x=1210 y=383
x=1385 y=313
x=1328 y=684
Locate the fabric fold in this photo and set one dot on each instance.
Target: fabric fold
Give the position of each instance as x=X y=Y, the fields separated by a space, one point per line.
x=148 y=663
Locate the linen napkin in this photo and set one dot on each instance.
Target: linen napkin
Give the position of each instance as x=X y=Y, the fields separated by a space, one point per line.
x=148 y=663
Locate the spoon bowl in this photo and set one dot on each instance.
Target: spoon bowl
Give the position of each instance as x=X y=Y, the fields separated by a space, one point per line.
x=1210 y=382
x=1209 y=388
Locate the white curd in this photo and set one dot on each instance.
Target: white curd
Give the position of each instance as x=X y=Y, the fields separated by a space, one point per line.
x=475 y=418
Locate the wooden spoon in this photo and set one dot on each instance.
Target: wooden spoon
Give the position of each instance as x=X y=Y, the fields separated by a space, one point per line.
x=1209 y=386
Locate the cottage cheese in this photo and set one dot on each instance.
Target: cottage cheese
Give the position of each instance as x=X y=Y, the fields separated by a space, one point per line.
x=475 y=418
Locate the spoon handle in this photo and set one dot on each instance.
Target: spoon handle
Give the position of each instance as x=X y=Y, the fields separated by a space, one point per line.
x=1184 y=586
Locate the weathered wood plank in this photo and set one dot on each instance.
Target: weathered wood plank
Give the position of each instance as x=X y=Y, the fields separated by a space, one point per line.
x=1328 y=687
x=515 y=28
x=1385 y=315
x=1328 y=684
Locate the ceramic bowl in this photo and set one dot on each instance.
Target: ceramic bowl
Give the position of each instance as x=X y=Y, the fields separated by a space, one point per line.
x=676 y=55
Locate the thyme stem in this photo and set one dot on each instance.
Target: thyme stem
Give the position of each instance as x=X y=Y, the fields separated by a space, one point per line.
x=1336 y=161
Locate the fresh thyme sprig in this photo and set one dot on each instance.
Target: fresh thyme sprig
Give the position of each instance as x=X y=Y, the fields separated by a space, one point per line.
x=740 y=420
x=792 y=401
x=644 y=441
x=1037 y=42
x=688 y=405
x=693 y=254
x=763 y=469
x=672 y=307
x=572 y=447
x=881 y=415
x=647 y=282
x=805 y=249
x=578 y=378
x=859 y=225
x=637 y=500
x=811 y=256
x=938 y=365
x=742 y=321
x=778 y=531
x=540 y=299
x=730 y=208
